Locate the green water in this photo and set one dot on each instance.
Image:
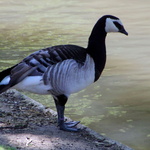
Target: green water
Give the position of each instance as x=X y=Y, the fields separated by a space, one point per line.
x=118 y=105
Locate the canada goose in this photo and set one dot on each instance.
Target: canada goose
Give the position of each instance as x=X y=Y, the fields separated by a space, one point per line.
x=64 y=69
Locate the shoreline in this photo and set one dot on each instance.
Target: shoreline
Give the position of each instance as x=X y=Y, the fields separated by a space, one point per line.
x=34 y=127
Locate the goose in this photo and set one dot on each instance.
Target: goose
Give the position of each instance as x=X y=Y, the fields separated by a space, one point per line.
x=63 y=69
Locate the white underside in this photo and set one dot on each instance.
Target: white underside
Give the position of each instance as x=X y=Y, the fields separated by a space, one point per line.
x=67 y=77
x=33 y=84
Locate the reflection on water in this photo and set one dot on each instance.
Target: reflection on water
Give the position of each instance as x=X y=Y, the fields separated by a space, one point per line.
x=118 y=105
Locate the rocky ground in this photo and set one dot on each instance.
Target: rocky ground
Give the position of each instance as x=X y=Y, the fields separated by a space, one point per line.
x=27 y=125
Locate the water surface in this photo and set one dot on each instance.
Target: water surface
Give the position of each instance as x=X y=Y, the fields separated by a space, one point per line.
x=118 y=105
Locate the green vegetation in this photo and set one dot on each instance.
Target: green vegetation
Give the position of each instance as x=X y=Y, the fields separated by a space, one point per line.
x=6 y=148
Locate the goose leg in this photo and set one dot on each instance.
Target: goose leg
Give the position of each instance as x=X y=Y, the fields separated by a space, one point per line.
x=60 y=106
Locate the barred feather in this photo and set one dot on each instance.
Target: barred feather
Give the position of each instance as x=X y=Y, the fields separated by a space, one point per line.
x=46 y=71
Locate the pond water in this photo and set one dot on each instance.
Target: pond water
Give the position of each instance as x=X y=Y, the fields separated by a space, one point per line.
x=118 y=105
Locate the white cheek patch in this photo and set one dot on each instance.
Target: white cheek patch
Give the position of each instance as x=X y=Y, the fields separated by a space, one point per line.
x=110 y=27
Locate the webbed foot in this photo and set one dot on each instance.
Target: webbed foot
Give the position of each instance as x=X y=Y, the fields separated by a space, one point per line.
x=69 y=126
x=72 y=123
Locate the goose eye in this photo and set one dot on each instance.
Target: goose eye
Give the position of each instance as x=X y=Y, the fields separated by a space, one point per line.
x=119 y=26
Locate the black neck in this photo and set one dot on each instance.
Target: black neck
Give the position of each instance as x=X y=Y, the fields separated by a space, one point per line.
x=96 y=47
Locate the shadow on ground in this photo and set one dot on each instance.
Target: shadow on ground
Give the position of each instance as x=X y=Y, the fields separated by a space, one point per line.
x=27 y=125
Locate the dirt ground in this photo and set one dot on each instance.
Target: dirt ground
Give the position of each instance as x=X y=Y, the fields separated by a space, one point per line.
x=28 y=125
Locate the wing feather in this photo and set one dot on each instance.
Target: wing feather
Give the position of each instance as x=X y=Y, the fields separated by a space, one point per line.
x=38 y=62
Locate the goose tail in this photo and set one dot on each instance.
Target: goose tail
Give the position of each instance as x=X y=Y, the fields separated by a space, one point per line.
x=5 y=79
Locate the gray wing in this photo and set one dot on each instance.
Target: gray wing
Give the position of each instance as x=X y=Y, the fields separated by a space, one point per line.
x=37 y=63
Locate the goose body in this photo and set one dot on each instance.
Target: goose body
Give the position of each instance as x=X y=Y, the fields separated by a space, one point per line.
x=66 y=76
x=64 y=69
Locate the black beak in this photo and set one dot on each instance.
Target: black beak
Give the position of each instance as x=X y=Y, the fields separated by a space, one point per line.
x=123 y=31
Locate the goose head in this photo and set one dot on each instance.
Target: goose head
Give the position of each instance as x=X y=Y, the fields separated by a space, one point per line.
x=114 y=24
